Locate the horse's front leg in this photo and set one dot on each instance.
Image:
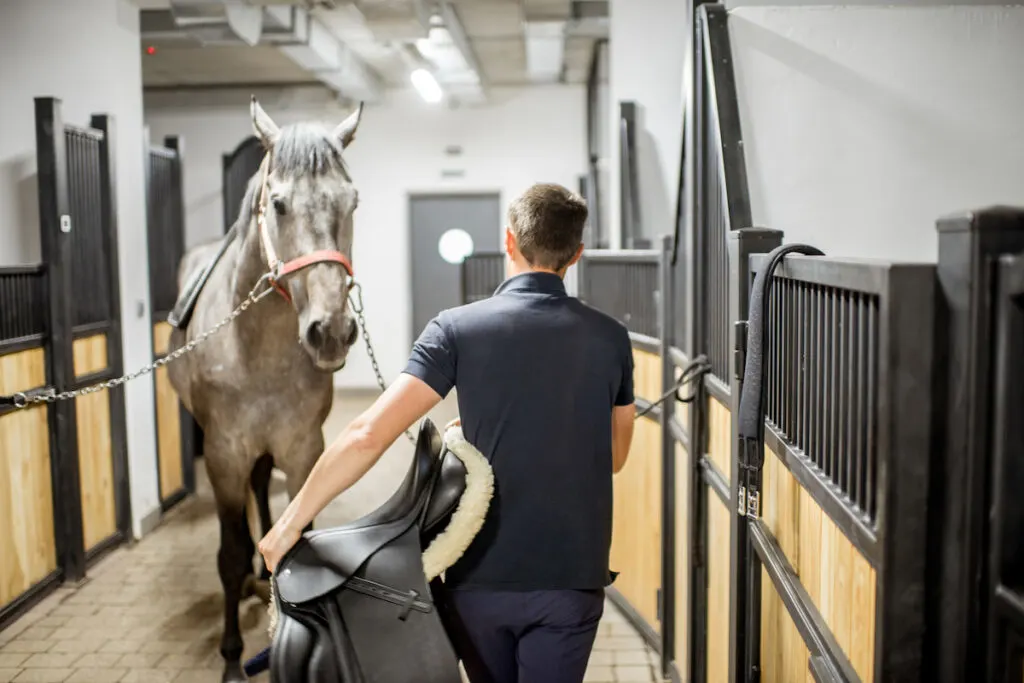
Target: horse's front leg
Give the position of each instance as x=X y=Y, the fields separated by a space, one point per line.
x=229 y=474
x=300 y=457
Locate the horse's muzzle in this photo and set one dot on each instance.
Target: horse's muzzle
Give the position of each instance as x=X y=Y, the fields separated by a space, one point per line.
x=327 y=341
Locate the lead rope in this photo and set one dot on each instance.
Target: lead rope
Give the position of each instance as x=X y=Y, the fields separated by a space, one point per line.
x=692 y=372
x=355 y=299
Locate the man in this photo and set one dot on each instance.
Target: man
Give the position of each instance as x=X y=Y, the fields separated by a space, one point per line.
x=545 y=392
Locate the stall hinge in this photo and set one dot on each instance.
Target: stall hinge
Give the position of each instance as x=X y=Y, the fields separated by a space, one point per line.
x=739 y=353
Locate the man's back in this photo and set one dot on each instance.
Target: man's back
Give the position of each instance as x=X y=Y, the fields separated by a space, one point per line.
x=538 y=374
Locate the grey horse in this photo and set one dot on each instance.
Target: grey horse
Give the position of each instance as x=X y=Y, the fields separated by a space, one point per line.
x=262 y=387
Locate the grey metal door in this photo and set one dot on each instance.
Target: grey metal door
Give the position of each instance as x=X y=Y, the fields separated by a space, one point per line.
x=453 y=224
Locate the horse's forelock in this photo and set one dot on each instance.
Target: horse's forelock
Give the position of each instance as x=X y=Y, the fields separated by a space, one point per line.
x=308 y=149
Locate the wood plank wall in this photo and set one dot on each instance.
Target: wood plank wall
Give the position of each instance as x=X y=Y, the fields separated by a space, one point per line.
x=168 y=421
x=720 y=437
x=95 y=449
x=718 y=590
x=636 y=526
x=28 y=551
x=839 y=580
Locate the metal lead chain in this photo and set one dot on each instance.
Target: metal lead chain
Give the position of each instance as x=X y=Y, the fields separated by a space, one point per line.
x=355 y=298
x=22 y=400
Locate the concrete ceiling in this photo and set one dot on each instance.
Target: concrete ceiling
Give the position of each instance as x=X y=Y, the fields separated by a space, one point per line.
x=375 y=31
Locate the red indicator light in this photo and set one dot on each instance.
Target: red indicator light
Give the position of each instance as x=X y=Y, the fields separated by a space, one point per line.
x=150 y=50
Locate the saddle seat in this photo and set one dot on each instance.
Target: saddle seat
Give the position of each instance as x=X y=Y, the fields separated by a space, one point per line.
x=353 y=601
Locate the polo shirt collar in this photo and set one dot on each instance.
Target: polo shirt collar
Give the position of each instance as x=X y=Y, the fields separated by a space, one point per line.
x=539 y=283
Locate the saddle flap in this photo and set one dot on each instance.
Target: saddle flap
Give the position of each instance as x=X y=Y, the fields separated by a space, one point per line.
x=181 y=314
x=323 y=561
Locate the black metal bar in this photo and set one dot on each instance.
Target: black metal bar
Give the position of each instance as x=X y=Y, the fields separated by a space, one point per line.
x=21 y=344
x=968 y=246
x=644 y=343
x=1005 y=621
x=115 y=350
x=744 y=573
x=809 y=622
x=629 y=199
x=20 y=605
x=716 y=481
x=652 y=412
x=717 y=389
x=176 y=145
x=56 y=227
x=668 y=464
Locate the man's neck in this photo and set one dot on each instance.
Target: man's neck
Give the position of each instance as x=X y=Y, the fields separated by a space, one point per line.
x=518 y=269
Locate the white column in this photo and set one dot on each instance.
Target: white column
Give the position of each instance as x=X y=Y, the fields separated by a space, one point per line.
x=86 y=53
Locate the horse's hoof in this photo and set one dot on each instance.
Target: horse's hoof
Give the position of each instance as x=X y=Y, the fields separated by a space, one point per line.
x=233 y=673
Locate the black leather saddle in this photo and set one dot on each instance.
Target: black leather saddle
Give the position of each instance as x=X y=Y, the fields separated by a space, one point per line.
x=353 y=603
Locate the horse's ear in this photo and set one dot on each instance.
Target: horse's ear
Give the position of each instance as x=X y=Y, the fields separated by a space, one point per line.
x=264 y=126
x=346 y=130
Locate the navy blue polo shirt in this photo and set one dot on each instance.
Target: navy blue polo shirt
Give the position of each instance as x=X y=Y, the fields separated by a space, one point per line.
x=538 y=373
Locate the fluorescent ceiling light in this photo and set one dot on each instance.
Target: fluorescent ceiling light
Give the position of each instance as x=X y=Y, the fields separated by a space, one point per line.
x=426 y=85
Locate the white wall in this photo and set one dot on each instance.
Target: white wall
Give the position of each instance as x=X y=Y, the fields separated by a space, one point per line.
x=863 y=125
x=85 y=52
x=648 y=41
x=524 y=136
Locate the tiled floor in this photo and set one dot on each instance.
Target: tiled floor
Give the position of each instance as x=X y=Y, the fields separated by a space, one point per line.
x=151 y=613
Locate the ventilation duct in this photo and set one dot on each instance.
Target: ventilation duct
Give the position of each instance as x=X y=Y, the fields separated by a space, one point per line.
x=218 y=22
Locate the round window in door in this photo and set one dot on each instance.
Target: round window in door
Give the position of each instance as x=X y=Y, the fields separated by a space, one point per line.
x=455 y=245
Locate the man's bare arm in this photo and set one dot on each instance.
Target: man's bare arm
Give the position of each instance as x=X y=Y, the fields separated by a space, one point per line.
x=623 y=419
x=359 y=446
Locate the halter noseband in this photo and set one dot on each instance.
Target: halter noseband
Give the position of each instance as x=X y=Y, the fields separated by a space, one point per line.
x=280 y=269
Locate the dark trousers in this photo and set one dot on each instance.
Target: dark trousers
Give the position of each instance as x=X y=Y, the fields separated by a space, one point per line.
x=524 y=637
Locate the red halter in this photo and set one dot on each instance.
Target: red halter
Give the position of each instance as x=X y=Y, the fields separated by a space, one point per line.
x=280 y=269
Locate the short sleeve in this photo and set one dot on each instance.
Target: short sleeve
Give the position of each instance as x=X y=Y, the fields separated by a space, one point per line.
x=433 y=359
x=625 y=396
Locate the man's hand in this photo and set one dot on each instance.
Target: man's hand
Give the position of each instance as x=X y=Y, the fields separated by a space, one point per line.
x=277 y=543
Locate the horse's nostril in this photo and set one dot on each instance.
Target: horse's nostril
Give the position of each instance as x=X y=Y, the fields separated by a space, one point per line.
x=353 y=332
x=315 y=334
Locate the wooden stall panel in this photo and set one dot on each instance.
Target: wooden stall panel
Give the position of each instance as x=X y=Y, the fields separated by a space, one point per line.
x=28 y=552
x=720 y=437
x=168 y=421
x=161 y=338
x=784 y=654
x=90 y=354
x=682 y=545
x=838 y=579
x=646 y=375
x=718 y=591
x=636 y=526
x=96 y=469
x=95 y=449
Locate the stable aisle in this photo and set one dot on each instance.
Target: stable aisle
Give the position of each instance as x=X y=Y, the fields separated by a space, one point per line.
x=152 y=612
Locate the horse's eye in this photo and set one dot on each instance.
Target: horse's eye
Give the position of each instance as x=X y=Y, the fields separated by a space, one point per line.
x=279 y=206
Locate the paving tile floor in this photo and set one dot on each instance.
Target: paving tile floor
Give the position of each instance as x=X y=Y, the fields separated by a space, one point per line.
x=151 y=612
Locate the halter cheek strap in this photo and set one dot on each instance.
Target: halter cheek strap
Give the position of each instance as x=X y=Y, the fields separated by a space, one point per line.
x=280 y=269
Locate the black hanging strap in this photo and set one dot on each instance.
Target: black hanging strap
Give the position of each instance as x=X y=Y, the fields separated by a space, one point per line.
x=751 y=409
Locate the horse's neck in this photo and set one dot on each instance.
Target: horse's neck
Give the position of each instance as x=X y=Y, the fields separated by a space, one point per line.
x=271 y=326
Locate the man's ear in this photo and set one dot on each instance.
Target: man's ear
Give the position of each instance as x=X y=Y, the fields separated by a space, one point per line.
x=511 y=247
x=579 y=254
